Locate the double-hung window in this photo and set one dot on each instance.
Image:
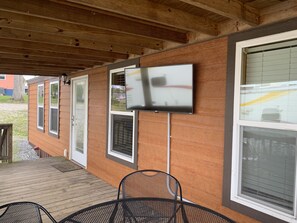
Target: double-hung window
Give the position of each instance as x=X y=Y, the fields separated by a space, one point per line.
x=54 y=107
x=265 y=125
x=40 y=106
x=122 y=123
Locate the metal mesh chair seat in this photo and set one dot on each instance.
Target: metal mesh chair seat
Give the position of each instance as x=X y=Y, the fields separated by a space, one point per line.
x=25 y=212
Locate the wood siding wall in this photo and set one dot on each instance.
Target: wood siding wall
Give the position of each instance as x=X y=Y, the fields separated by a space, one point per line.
x=8 y=83
x=50 y=144
x=197 y=140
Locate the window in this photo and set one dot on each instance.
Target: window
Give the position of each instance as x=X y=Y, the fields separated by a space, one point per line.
x=40 y=106
x=265 y=125
x=2 y=76
x=54 y=107
x=122 y=123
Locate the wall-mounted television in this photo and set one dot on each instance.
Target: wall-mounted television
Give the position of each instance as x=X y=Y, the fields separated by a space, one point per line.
x=163 y=88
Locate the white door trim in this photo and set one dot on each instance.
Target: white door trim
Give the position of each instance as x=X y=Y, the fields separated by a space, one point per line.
x=86 y=120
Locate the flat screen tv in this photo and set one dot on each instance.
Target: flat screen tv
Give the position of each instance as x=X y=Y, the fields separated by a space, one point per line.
x=164 y=88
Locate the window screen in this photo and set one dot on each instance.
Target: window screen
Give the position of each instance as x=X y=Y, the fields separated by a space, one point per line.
x=268 y=165
x=54 y=120
x=40 y=117
x=122 y=134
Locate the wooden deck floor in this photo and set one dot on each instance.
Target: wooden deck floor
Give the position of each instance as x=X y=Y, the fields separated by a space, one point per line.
x=60 y=193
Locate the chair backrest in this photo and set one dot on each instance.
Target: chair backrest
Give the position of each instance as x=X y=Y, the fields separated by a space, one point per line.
x=150 y=183
x=25 y=212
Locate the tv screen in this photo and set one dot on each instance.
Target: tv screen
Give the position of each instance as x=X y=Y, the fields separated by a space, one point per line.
x=164 y=88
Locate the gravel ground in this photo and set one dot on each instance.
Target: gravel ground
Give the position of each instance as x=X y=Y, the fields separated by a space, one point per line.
x=25 y=150
x=13 y=107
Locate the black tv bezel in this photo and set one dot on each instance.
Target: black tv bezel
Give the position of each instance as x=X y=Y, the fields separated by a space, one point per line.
x=157 y=109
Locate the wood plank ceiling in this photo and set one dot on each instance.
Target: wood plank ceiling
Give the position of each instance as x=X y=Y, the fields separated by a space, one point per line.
x=51 y=37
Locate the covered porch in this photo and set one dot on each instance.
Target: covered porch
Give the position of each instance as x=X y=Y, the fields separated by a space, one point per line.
x=79 y=49
x=61 y=193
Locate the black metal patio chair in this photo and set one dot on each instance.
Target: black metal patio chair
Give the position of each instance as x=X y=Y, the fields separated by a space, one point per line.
x=25 y=212
x=150 y=184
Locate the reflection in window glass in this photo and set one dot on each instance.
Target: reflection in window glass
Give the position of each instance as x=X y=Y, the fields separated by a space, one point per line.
x=54 y=94
x=268 y=166
x=40 y=95
x=80 y=97
x=80 y=114
x=118 y=96
x=40 y=106
x=54 y=107
x=275 y=102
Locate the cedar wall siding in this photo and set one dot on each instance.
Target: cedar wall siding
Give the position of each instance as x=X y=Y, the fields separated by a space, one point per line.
x=98 y=164
x=50 y=144
x=197 y=140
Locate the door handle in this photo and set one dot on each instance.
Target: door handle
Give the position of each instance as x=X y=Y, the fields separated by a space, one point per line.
x=72 y=121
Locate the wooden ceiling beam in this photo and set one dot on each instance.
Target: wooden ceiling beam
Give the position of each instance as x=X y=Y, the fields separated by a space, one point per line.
x=26 y=69
x=37 y=24
x=55 y=11
x=4 y=70
x=39 y=66
x=88 y=53
x=17 y=58
x=152 y=12
x=18 y=34
x=52 y=55
x=234 y=9
x=36 y=63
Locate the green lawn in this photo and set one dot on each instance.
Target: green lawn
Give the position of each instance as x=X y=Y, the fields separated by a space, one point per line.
x=8 y=99
x=19 y=119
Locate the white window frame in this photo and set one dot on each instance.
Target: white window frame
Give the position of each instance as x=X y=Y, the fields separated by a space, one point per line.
x=40 y=106
x=110 y=150
x=3 y=75
x=55 y=107
x=237 y=123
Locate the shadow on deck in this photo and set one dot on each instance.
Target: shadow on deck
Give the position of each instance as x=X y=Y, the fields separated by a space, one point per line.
x=61 y=193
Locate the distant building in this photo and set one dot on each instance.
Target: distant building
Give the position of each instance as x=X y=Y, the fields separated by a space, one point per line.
x=6 y=84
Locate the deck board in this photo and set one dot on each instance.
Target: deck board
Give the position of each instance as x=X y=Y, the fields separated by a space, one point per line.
x=60 y=193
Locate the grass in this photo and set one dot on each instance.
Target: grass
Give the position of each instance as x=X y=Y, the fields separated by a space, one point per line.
x=19 y=119
x=9 y=99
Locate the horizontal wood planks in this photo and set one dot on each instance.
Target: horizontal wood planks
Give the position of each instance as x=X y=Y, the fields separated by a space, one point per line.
x=60 y=193
x=98 y=164
x=53 y=145
x=197 y=140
